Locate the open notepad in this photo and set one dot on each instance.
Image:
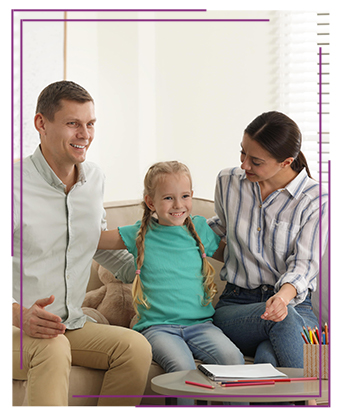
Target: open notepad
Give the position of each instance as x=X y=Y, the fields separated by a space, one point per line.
x=233 y=372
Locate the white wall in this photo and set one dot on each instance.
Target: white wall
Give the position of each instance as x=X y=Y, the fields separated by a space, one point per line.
x=163 y=90
x=42 y=63
x=170 y=90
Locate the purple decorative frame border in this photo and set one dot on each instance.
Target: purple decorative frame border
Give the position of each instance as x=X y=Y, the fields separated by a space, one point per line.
x=21 y=158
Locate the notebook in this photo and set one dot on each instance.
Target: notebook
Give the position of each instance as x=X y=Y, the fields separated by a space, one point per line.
x=227 y=372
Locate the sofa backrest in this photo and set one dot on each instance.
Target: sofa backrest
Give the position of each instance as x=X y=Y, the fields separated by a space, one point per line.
x=123 y=213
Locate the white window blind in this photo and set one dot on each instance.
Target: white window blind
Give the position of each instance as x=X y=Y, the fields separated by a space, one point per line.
x=298 y=39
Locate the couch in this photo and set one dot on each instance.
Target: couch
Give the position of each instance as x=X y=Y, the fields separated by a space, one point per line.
x=86 y=381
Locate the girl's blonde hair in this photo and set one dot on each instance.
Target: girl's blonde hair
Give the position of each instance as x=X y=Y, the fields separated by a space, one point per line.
x=155 y=174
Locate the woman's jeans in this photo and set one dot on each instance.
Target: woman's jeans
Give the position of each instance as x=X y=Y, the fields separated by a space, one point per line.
x=279 y=343
x=175 y=347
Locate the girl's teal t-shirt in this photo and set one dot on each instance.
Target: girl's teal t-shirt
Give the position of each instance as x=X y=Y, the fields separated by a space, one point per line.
x=172 y=272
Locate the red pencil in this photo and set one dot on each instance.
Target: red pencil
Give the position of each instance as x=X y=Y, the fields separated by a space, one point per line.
x=197 y=384
x=304 y=378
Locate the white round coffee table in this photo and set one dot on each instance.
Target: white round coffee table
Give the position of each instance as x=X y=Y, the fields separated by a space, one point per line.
x=173 y=385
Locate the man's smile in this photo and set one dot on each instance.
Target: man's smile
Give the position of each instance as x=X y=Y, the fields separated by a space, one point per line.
x=77 y=146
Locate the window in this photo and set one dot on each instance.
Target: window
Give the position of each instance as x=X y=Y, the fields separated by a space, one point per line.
x=300 y=39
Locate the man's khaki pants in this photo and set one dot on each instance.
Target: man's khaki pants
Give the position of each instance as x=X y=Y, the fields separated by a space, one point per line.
x=124 y=353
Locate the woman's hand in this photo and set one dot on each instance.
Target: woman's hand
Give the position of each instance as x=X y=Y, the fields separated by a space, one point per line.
x=276 y=306
x=276 y=309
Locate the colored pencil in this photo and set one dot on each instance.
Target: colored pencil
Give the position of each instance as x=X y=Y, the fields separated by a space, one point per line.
x=197 y=384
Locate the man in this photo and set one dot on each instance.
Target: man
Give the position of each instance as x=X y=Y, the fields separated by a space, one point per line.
x=58 y=229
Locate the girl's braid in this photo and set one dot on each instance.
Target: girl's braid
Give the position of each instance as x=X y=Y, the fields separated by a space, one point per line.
x=207 y=269
x=137 y=288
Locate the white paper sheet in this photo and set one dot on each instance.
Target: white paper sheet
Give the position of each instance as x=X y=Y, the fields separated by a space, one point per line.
x=226 y=372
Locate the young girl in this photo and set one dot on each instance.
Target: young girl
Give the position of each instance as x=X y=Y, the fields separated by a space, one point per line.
x=173 y=288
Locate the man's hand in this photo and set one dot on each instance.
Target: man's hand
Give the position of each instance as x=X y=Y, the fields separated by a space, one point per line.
x=37 y=322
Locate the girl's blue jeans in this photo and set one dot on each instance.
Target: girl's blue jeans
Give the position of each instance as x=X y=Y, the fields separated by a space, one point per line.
x=279 y=343
x=175 y=347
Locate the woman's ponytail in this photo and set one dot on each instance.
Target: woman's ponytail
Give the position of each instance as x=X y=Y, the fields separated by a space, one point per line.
x=299 y=163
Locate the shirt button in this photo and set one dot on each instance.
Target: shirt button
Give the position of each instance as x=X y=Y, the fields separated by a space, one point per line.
x=260 y=206
x=259 y=228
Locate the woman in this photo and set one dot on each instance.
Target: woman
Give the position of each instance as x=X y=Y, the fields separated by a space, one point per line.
x=269 y=213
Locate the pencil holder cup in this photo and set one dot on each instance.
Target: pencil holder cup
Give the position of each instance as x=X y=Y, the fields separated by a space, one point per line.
x=312 y=361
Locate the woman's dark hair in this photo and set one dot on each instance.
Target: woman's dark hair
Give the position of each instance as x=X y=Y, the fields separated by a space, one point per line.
x=279 y=136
